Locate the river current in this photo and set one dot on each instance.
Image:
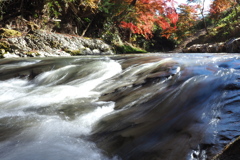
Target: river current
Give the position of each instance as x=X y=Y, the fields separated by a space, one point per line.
x=129 y=107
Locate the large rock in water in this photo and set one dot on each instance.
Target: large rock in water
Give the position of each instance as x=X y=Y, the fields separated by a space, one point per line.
x=44 y=44
x=231 y=151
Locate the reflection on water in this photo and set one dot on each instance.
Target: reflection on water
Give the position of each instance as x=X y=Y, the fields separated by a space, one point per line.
x=153 y=106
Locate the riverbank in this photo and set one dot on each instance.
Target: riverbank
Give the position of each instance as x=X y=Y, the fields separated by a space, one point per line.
x=40 y=43
x=218 y=38
x=230 y=46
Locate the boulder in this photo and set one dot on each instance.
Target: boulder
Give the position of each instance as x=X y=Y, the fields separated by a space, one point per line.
x=230 y=152
x=233 y=45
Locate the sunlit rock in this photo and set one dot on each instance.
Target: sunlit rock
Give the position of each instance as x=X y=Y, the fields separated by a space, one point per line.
x=232 y=46
x=54 y=44
x=9 y=55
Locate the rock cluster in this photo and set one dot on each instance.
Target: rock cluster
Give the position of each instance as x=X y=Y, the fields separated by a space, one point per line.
x=44 y=44
x=231 y=46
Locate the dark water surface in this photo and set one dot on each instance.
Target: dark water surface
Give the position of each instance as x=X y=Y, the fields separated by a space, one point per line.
x=132 y=107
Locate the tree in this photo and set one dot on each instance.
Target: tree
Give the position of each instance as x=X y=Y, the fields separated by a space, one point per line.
x=219 y=6
x=142 y=15
x=187 y=18
x=202 y=10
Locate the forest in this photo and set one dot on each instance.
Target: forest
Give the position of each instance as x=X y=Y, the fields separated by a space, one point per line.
x=138 y=25
x=71 y=87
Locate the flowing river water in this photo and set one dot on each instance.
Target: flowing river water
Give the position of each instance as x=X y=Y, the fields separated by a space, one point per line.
x=132 y=107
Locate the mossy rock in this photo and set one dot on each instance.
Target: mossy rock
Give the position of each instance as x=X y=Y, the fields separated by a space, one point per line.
x=32 y=26
x=32 y=53
x=32 y=36
x=6 y=33
x=55 y=44
x=128 y=49
x=73 y=52
x=5 y=45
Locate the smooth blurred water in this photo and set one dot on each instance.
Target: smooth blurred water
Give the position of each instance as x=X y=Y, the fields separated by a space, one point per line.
x=150 y=106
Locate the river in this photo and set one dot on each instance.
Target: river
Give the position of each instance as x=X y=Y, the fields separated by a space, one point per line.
x=124 y=107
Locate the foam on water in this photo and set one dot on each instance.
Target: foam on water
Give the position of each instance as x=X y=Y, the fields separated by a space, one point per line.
x=50 y=115
x=51 y=136
x=18 y=93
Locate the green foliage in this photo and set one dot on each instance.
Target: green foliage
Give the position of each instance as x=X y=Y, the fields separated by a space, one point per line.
x=32 y=53
x=102 y=19
x=106 y=7
x=110 y=32
x=228 y=16
x=224 y=28
x=73 y=52
x=54 y=9
x=87 y=20
x=1 y=9
x=128 y=48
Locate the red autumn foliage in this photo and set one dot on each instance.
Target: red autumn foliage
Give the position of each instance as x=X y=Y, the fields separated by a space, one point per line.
x=219 y=6
x=148 y=13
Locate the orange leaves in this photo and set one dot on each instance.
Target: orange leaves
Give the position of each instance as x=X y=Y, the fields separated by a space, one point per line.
x=172 y=15
x=163 y=23
x=219 y=6
x=131 y=26
x=148 y=13
x=168 y=32
x=187 y=18
x=140 y=29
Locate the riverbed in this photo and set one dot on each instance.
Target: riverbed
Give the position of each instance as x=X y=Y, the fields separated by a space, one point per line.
x=122 y=107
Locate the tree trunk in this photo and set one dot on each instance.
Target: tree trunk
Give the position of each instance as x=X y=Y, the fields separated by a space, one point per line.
x=85 y=30
x=203 y=17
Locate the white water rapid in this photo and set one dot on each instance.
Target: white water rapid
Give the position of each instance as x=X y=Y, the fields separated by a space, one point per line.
x=131 y=107
x=34 y=123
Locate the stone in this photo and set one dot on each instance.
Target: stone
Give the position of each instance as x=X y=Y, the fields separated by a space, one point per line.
x=54 y=44
x=107 y=53
x=87 y=51
x=6 y=33
x=233 y=45
x=96 y=51
x=230 y=152
x=9 y=55
x=2 y=51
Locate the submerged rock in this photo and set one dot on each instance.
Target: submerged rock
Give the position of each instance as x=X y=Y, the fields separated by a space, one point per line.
x=44 y=44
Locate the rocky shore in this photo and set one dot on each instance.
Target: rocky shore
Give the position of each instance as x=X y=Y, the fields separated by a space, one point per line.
x=40 y=43
x=231 y=46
